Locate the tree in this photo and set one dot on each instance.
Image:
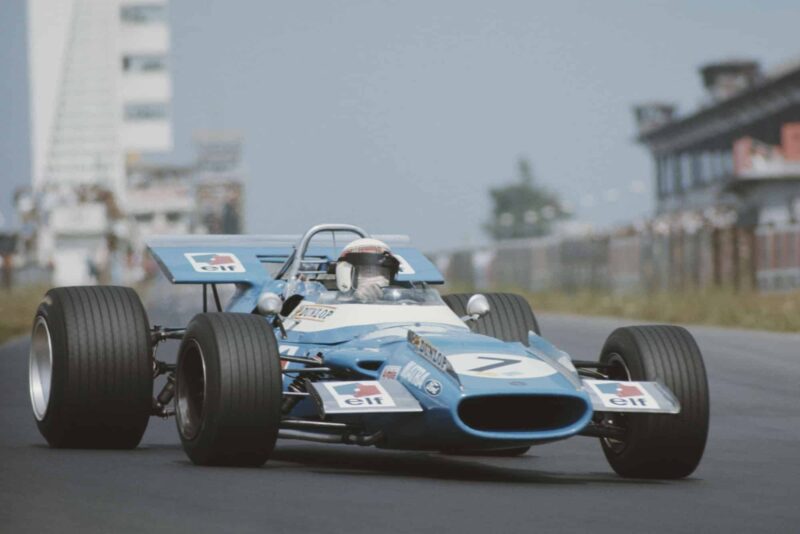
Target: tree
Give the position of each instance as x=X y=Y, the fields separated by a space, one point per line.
x=524 y=208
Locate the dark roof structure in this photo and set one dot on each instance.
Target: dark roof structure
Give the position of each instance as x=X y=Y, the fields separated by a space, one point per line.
x=748 y=104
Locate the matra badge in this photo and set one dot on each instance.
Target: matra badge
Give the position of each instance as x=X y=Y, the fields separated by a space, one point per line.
x=215 y=262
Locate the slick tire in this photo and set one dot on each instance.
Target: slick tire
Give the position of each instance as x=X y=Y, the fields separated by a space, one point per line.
x=510 y=318
x=659 y=445
x=228 y=390
x=90 y=368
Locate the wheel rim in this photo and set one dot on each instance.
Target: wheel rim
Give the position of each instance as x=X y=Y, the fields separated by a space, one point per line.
x=191 y=390
x=619 y=371
x=40 y=370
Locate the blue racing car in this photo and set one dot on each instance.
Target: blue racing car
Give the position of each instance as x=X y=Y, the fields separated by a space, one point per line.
x=340 y=337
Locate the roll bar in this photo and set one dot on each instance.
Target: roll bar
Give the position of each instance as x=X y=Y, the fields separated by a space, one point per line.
x=302 y=247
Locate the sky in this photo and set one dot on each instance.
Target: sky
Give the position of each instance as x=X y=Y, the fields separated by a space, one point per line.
x=399 y=116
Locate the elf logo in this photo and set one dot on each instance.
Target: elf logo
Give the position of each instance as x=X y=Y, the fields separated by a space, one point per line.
x=360 y=394
x=623 y=394
x=215 y=262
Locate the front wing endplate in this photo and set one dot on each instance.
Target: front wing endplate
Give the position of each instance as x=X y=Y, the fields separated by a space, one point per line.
x=362 y=396
x=629 y=396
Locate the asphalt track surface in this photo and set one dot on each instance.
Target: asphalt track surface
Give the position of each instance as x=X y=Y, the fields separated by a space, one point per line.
x=749 y=480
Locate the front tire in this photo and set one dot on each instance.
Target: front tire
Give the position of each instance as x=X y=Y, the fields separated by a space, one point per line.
x=90 y=368
x=228 y=390
x=510 y=318
x=659 y=445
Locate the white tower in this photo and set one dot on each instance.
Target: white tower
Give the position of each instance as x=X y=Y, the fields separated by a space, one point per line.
x=100 y=92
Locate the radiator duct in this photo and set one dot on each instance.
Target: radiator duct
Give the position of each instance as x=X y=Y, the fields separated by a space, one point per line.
x=520 y=413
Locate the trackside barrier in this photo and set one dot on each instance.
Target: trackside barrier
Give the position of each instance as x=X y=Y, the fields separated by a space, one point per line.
x=766 y=259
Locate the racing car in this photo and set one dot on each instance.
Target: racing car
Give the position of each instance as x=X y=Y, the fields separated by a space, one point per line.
x=300 y=351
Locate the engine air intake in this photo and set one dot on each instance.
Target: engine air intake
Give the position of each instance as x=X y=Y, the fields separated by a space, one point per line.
x=520 y=413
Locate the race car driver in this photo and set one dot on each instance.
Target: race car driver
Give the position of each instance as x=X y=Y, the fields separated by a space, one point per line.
x=365 y=267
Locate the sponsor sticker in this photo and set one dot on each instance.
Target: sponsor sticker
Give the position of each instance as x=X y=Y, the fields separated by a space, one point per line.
x=414 y=374
x=360 y=394
x=313 y=312
x=433 y=387
x=215 y=262
x=390 y=372
x=428 y=351
x=503 y=366
x=629 y=395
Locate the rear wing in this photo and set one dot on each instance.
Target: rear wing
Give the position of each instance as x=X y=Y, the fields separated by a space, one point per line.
x=250 y=259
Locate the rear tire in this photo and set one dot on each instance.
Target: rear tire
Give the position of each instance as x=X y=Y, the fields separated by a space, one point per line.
x=229 y=390
x=659 y=445
x=91 y=374
x=510 y=318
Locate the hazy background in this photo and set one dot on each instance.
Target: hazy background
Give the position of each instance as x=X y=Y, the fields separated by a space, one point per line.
x=400 y=115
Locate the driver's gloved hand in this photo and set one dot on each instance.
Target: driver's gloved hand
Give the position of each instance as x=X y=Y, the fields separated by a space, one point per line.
x=368 y=292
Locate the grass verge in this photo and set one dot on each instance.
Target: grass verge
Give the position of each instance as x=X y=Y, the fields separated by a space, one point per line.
x=779 y=312
x=17 y=307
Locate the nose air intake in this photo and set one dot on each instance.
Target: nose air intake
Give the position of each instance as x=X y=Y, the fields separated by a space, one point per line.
x=520 y=413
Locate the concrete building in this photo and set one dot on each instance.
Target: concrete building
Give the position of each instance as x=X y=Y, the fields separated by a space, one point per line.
x=100 y=93
x=731 y=170
x=160 y=201
x=738 y=155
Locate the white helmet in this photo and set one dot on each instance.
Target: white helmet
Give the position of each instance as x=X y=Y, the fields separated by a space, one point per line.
x=363 y=261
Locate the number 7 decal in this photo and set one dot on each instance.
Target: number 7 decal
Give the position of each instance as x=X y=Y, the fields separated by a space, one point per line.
x=499 y=366
x=502 y=362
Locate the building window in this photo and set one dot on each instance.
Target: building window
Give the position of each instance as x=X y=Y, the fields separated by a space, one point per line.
x=707 y=167
x=144 y=14
x=661 y=176
x=717 y=168
x=671 y=176
x=727 y=162
x=674 y=174
x=142 y=111
x=686 y=172
x=697 y=171
x=144 y=63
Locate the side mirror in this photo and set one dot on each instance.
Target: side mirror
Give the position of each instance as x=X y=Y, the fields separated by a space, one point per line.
x=269 y=304
x=477 y=307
